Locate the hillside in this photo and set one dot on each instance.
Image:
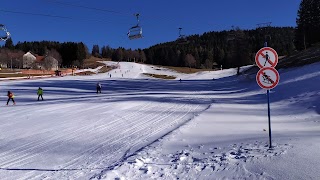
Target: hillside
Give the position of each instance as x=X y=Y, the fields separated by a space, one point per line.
x=227 y=48
x=297 y=59
x=311 y=55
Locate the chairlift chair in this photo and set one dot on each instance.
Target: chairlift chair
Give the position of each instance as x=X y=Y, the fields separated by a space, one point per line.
x=135 y=32
x=4 y=29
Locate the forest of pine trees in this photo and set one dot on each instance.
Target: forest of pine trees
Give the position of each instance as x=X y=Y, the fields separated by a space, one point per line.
x=227 y=48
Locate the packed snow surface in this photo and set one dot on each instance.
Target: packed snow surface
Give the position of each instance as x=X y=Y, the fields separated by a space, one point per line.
x=209 y=125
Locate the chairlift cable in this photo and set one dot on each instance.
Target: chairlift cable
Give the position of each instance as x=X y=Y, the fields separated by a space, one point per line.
x=147 y=18
x=35 y=14
x=52 y=16
x=85 y=7
x=109 y=11
x=8 y=35
x=134 y=32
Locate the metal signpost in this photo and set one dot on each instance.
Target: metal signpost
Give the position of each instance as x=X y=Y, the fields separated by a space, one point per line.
x=267 y=77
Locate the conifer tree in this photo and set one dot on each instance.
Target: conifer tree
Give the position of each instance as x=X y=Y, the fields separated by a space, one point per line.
x=95 y=51
x=308 y=24
x=9 y=44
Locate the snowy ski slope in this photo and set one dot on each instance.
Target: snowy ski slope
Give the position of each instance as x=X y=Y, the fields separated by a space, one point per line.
x=141 y=127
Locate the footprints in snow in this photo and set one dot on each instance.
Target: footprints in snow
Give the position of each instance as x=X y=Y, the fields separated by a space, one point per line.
x=200 y=158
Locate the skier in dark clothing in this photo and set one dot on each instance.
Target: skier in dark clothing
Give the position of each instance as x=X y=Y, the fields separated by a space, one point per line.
x=10 y=96
x=98 y=88
x=40 y=93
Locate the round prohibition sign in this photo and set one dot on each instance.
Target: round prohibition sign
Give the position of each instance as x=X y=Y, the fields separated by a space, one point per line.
x=268 y=78
x=266 y=57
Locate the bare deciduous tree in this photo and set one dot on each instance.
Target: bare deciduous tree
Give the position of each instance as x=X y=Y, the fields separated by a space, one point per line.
x=50 y=63
x=4 y=57
x=208 y=63
x=55 y=54
x=190 y=60
x=136 y=55
x=143 y=56
x=15 y=57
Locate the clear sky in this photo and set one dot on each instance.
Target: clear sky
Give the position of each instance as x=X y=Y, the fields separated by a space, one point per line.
x=160 y=19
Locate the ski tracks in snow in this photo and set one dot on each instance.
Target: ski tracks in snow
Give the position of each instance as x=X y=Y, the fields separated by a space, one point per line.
x=109 y=140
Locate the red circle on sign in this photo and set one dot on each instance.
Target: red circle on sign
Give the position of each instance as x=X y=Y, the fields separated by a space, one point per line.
x=260 y=53
x=262 y=71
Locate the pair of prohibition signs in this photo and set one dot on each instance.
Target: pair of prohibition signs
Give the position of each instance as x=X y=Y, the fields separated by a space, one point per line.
x=266 y=59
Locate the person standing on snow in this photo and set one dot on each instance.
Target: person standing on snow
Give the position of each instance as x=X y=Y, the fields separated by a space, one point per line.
x=10 y=96
x=98 y=88
x=40 y=93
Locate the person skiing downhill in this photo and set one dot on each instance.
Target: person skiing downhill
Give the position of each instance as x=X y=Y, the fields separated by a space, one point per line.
x=10 y=96
x=40 y=93
x=98 y=88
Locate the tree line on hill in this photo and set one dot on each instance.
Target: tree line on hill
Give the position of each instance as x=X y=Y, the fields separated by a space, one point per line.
x=119 y=54
x=231 y=48
x=237 y=47
x=227 y=48
x=68 y=54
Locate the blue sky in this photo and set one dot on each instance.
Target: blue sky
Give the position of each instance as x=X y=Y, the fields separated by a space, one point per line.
x=160 y=19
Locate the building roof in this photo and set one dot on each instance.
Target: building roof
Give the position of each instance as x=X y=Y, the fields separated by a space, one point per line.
x=29 y=54
x=40 y=58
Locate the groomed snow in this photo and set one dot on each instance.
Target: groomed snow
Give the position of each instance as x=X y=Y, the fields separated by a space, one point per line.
x=211 y=125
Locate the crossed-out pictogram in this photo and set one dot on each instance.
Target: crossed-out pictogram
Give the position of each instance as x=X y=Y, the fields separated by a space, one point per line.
x=268 y=78
x=266 y=57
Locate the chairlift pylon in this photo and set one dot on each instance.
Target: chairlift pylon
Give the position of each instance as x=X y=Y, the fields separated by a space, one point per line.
x=135 y=32
x=182 y=39
x=4 y=29
x=264 y=27
x=231 y=34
